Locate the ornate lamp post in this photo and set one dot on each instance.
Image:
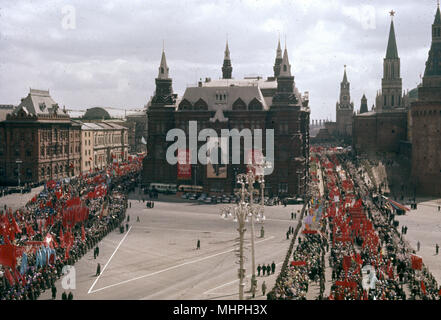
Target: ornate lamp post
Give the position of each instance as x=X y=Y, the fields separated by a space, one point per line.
x=244 y=210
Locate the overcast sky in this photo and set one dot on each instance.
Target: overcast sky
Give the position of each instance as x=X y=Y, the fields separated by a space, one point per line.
x=107 y=53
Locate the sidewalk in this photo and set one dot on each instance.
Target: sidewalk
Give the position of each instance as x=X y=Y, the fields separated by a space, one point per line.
x=18 y=200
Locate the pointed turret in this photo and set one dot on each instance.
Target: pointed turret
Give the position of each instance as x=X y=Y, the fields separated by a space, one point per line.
x=345 y=77
x=285 y=94
x=391 y=84
x=345 y=93
x=392 y=51
x=227 y=69
x=285 y=70
x=163 y=68
x=278 y=62
x=164 y=90
x=437 y=16
x=364 y=105
x=431 y=88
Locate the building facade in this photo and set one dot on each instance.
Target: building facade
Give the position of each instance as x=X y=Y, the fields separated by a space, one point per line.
x=38 y=142
x=383 y=129
x=103 y=144
x=250 y=103
x=426 y=121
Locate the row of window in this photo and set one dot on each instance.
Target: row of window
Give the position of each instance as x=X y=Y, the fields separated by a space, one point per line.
x=426 y=113
x=238 y=105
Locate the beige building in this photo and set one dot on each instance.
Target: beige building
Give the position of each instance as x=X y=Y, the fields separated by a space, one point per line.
x=87 y=133
x=102 y=143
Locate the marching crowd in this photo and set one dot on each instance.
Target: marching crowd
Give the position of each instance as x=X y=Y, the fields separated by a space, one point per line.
x=41 y=222
x=369 y=258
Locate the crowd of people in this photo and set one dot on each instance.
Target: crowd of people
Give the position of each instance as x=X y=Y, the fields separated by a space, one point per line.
x=46 y=224
x=369 y=259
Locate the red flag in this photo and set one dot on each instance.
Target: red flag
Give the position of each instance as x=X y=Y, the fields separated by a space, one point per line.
x=83 y=233
x=423 y=287
x=9 y=277
x=61 y=238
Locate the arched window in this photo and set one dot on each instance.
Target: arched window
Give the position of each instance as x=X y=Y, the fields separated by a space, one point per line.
x=185 y=105
x=239 y=105
x=255 y=105
x=201 y=105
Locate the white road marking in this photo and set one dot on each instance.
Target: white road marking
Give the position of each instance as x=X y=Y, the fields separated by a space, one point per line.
x=169 y=268
x=184 y=230
x=231 y=282
x=96 y=280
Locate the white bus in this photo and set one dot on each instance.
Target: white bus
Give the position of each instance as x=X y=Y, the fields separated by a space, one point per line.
x=190 y=189
x=163 y=187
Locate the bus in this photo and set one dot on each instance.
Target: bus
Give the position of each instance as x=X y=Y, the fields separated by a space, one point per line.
x=163 y=187
x=190 y=189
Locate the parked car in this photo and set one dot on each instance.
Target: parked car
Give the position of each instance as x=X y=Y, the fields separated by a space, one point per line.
x=207 y=200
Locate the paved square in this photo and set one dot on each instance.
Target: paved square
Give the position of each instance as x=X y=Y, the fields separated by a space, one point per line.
x=157 y=257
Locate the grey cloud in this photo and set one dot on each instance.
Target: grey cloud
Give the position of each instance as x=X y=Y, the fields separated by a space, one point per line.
x=81 y=66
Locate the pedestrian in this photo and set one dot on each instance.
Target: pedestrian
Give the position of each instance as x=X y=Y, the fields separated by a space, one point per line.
x=268 y=270
x=153 y=204
x=130 y=204
x=98 y=270
x=437 y=249
x=128 y=218
x=97 y=251
x=439 y=208
x=263 y=270
x=287 y=235
x=54 y=292
x=418 y=245
x=262 y=232
x=137 y=219
x=273 y=267
x=70 y=296
x=198 y=245
x=292 y=215
x=258 y=270
x=127 y=227
x=94 y=253
x=263 y=288
x=64 y=296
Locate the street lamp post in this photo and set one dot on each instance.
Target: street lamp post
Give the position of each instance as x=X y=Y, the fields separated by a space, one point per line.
x=240 y=213
x=244 y=210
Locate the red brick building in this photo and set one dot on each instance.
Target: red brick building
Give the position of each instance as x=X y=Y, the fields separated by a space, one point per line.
x=383 y=129
x=426 y=121
x=38 y=142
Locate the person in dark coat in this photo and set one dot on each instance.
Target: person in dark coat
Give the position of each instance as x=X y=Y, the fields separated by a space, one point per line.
x=263 y=270
x=268 y=270
x=198 y=245
x=64 y=296
x=98 y=270
x=70 y=296
x=54 y=292
x=258 y=270
x=263 y=288
x=273 y=267
x=128 y=218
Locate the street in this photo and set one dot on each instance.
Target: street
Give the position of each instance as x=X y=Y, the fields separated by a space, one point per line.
x=157 y=257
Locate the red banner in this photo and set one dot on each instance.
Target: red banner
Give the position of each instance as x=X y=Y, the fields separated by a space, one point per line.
x=298 y=263
x=417 y=262
x=184 y=165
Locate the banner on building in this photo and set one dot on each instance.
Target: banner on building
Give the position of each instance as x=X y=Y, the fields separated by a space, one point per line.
x=217 y=158
x=184 y=165
x=255 y=160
